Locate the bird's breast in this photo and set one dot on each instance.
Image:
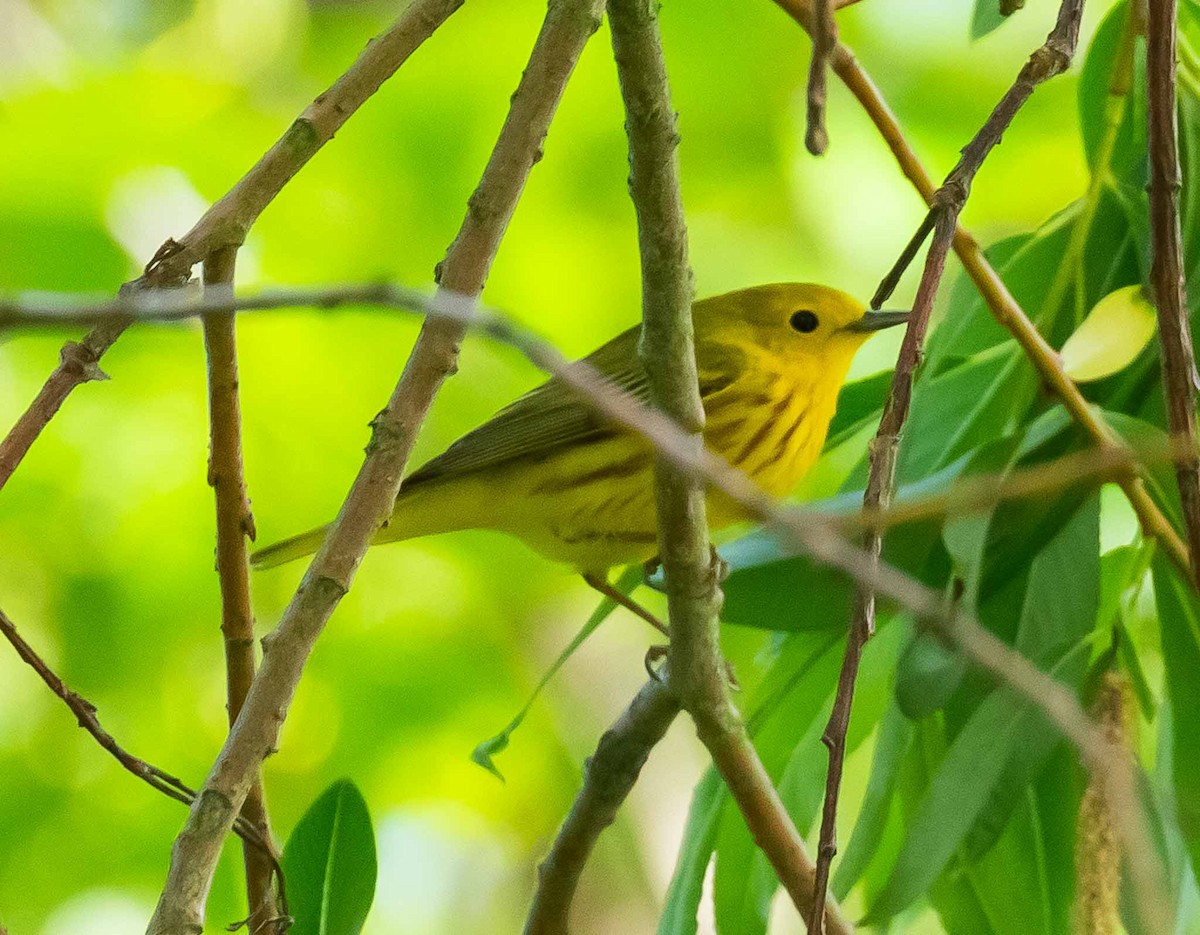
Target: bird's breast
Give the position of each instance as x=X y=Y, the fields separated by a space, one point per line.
x=770 y=426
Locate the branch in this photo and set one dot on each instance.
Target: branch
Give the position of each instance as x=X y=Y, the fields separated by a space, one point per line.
x=234 y=524
x=1004 y=308
x=1051 y=59
x=85 y=716
x=1099 y=464
x=608 y=777
x=227 y=222
x=1166 y=273
x=696 y=667
x=824 y=41
x=370 y=501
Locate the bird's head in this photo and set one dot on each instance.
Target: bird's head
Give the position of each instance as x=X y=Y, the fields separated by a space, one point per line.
x=797 y=324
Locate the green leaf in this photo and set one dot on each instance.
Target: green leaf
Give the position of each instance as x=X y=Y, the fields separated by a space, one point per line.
x=987 y=17
x=768 y=588
x=957 y=411
x=927 y=676
x=1111 y=337
x=486 y=750
x=329 y=864
x=1060 y=610
x=1179 y=622
x=1027 y=263
x=699 y=839
x=1113 y=126
x=987 y=761
x=956 y=796
x=1056 y=799
x=857 y=402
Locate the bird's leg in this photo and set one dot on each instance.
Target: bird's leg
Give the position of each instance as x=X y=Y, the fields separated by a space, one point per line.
x=601 y=584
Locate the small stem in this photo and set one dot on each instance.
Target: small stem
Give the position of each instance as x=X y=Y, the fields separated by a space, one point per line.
x=1120 y=82
x=1180 y=379
x=608 y=777
x=235 y=524
x=1050 y=59
x=85 y=716
x=824 y=40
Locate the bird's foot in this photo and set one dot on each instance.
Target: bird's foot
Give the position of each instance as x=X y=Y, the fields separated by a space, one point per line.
x=653 y=662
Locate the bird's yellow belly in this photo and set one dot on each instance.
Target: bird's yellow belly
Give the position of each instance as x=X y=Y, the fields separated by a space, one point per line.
x=593 y=505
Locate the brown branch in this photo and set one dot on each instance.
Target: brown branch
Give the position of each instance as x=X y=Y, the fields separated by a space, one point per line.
x=235 y=524
x=1166 y=272
x=227 y=222
x=608 y=777
x=1004 y=308
x=1051 y=59
x=1099 y=464
x=566 y=29
x=824 y=40
x=85 y=716
x=696 y=666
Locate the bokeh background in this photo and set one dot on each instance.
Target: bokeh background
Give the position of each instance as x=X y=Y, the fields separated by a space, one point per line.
x=119 y=123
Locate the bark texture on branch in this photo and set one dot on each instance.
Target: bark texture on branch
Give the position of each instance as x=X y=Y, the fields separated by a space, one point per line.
x=697 y=668
x=1168 y=290
x=180 y=909
x=1050 y=59
x=235 y=524
x=608 y=777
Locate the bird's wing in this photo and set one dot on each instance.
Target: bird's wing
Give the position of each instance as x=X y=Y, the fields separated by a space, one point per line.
x=544 y=419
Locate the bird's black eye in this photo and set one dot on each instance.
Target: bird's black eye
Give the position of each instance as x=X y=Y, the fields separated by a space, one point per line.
x=804 y=321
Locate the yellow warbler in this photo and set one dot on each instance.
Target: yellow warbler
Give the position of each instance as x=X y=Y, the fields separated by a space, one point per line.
x=579 y=489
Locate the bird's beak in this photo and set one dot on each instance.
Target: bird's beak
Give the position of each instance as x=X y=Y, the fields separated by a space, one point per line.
x=877 y=321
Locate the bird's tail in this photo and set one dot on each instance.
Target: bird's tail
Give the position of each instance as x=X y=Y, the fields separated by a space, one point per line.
x=289 y=549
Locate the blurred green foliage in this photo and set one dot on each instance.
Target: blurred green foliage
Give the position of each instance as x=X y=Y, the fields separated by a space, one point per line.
x=121 y=121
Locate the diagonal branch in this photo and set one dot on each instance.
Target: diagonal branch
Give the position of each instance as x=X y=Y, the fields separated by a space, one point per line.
x=1166 y=273
x=228 y=221
x=1004 y=308
x=824 y=41
x=85 y=716
x=608 y=777
x=568 y=25
x=235 y=524
x=697 y=669
x=1051 y=59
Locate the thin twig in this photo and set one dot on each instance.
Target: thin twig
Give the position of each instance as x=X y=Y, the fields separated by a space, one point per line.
x=228 y=221
x=85 y=716
x=697 y=668
x=824 y=40
x=1004 y=308
x=1166 y=272
x=608 y=777
x=1051 y=59
x=234 y=525
x=370 y=501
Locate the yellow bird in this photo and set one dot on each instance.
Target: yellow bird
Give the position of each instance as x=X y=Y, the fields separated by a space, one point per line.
x=580 y=490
